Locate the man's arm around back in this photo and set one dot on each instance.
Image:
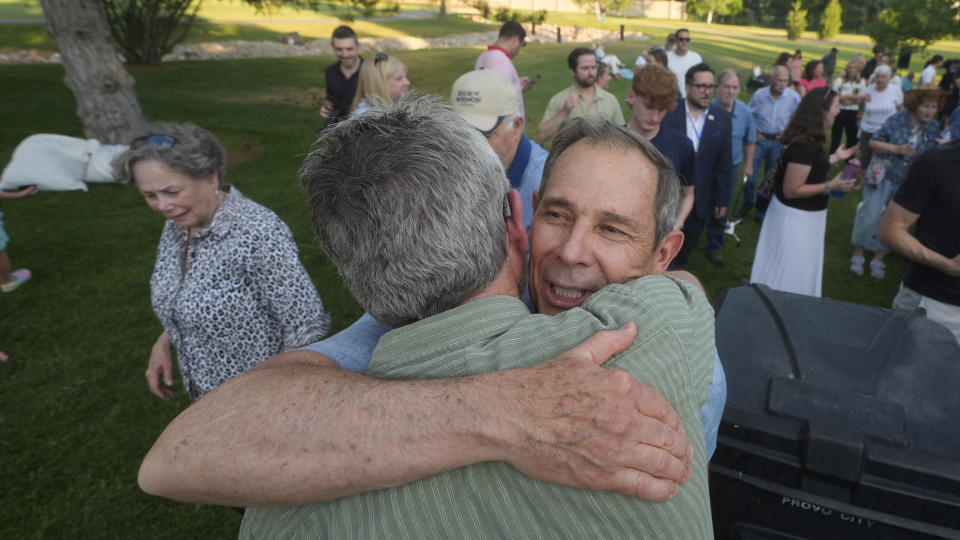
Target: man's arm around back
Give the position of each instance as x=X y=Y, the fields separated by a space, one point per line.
x=298 y=430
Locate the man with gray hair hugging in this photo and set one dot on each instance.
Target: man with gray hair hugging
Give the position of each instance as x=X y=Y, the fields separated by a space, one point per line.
x=429 y=239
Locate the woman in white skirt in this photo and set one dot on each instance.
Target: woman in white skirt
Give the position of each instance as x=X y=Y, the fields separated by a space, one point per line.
x=789 y=253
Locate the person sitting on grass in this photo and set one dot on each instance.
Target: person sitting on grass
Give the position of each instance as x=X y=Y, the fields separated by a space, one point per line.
x=603 y=76
x=9 y=281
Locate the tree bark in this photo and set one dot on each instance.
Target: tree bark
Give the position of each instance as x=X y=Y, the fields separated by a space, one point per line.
x=106 y=102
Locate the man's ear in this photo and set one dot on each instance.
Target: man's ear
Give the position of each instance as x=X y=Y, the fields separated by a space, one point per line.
x=517 y=129
x=630 y=97
x=534 y=199
x=667 y=249
x=516 y=231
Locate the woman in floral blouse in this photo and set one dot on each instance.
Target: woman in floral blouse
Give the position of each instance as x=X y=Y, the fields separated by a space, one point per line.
x=228 y=286
x=903 y=136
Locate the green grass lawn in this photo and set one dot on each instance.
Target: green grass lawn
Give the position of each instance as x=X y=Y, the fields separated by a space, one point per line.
x=75 y=413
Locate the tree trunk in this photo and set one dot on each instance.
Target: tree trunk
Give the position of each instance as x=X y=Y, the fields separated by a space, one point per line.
x=443 y=10
x=710 y=16
x=106 y=103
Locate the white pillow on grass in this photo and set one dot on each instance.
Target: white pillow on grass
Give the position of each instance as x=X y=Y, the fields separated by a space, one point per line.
x=59 y=163
x=98 y=168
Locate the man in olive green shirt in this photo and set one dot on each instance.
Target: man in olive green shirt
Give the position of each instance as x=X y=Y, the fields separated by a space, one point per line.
x=446 y=272
x=583 y=99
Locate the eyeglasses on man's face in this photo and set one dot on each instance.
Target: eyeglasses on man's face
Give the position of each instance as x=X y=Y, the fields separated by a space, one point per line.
x=683 y=39
x=702 y=87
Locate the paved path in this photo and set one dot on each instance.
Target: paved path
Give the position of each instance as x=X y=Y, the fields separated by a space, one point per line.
x=403 y=15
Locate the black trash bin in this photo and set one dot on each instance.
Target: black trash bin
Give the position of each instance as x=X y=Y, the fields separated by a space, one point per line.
x=842 y=421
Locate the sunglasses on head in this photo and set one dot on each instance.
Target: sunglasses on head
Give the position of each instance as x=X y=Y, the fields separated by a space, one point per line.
x=380 y=57
x=157 y=141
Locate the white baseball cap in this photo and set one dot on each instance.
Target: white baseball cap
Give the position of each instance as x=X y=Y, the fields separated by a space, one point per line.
x=484 y=98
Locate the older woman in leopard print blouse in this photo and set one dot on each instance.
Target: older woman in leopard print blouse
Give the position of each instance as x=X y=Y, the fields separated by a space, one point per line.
x=228 y=286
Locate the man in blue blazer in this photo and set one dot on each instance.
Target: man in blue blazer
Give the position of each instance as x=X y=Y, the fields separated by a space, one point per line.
x=709 y=129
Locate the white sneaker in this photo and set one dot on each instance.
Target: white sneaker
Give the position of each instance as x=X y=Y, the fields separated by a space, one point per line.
x=856 y=265
x=877 y=269
x=20 y=277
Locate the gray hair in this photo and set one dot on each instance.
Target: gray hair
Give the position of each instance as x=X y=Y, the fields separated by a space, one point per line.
x=407 y=200
x=667 y=199
x=196 y=153
x=728 y=73
x=775 y=69
x=509 y=119
x=883 y=69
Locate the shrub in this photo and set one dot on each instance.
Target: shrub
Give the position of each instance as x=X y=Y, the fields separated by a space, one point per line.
x=831 y=20
x=537 y=17
x=796 y=21
x=482 y=6
x=147 y=30
x=504 y=14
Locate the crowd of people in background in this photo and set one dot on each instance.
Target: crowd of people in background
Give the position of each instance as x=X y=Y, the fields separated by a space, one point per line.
x=438 y=215
x=805 y=119
x=872 y=130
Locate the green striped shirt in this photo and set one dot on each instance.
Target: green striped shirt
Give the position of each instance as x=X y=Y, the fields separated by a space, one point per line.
x=673 y=352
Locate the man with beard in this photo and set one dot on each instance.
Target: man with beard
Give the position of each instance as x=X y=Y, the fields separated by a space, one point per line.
x=583 y=99
x=708 y=128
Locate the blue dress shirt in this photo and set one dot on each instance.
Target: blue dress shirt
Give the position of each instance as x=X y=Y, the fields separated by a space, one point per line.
x=744 y=129
x=773 y=115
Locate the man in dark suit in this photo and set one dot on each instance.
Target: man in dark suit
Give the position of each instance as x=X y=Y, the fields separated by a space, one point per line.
x=709 y=129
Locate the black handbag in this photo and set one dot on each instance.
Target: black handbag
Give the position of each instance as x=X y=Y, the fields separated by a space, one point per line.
x=768 y=187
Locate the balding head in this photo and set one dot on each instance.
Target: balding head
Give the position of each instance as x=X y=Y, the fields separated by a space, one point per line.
x=779 y=79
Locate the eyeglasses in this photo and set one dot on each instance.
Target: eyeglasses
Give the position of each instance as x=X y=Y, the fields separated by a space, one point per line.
x=828 y=98
x=683 y=39
x=380 y=57
x=702 y=87
x=157 y=141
